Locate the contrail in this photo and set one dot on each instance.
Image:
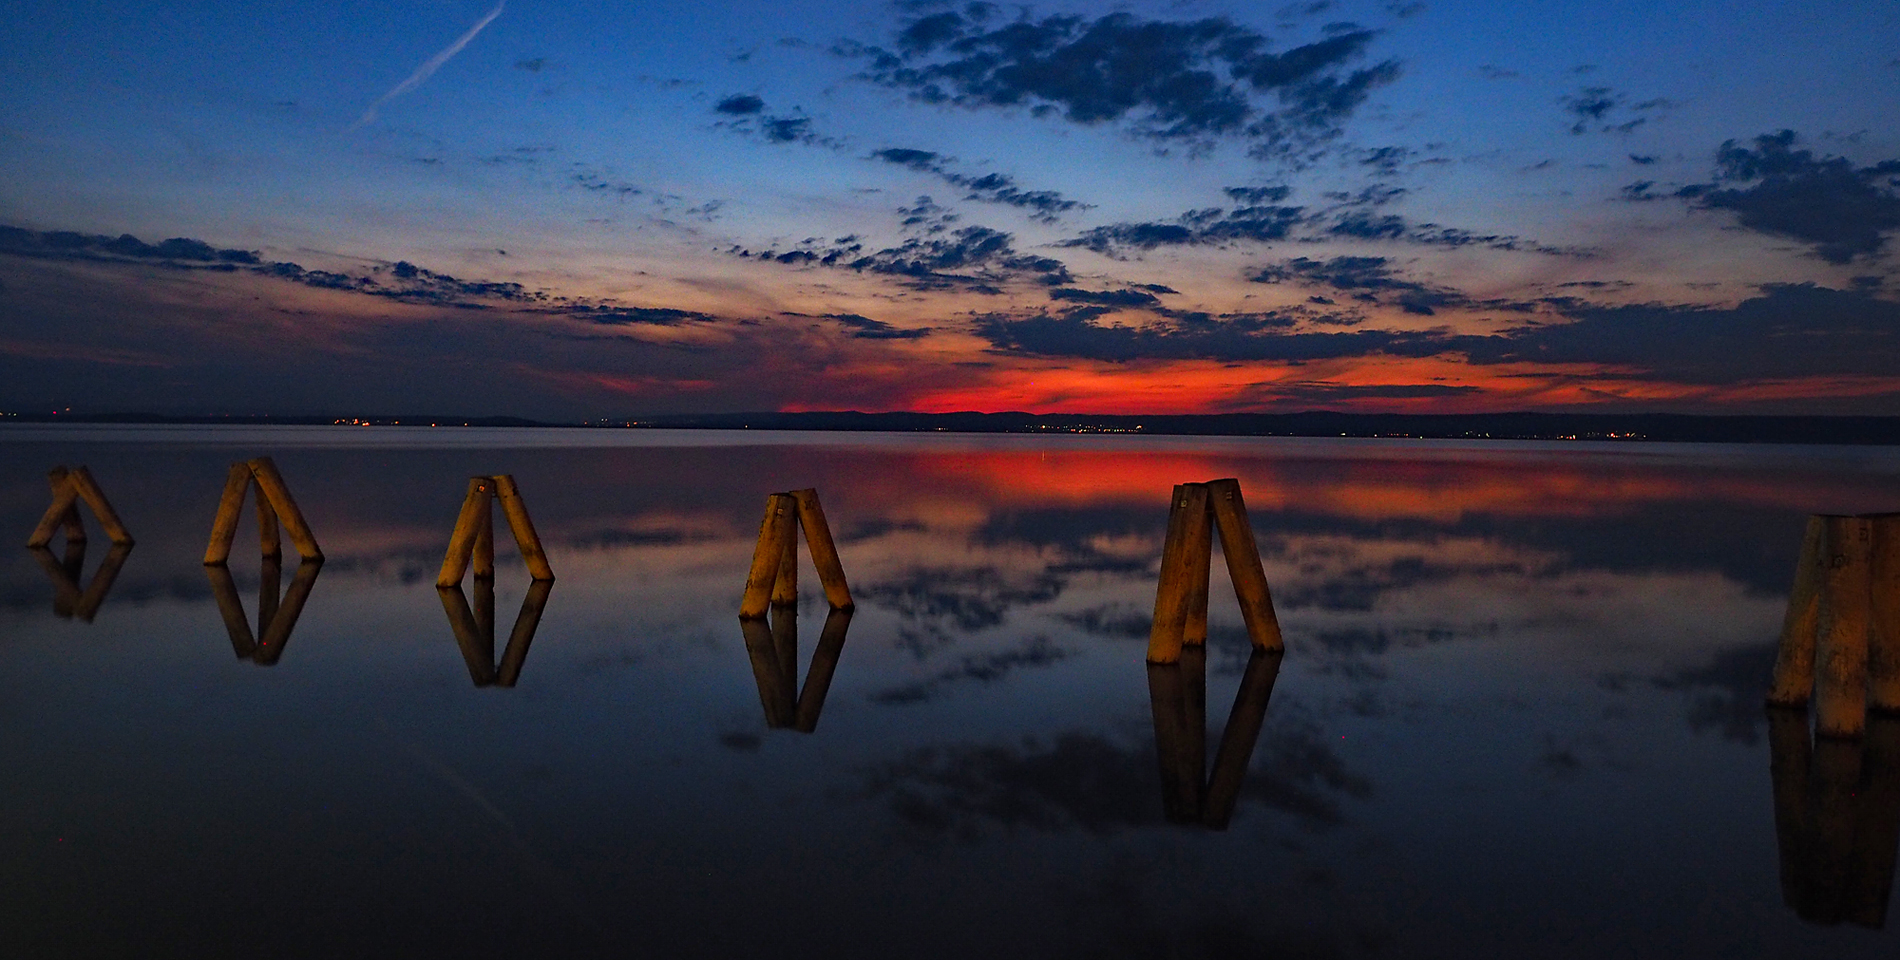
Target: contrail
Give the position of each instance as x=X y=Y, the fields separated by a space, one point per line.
x=431 y=65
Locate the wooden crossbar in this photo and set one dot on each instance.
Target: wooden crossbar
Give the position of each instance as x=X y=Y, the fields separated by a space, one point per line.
x=1195 y=512
x=773 y=577
x=472 y=543
x=70 y=488
x=276 y=509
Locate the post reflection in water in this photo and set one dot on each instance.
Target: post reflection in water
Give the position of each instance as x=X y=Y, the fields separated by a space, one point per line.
x=474 y=629
x=1178 y=694
x=276 y=615
x=773 y=648
x=1837 y=818
x=69 y=600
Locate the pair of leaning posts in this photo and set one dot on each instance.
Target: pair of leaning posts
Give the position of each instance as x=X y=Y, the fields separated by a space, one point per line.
x=1840 y=639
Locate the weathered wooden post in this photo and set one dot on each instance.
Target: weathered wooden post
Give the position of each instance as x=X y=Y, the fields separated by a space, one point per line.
x=473 y=540
x=1840 y=654
x=70 y=488
x=1186 y=556
x=1840 y=639
x=1837 y=818
x=1239 y=737
x=1793 y=682
x=773 y=576
x=275 y=507
x=1883 y=645
x=474 y=629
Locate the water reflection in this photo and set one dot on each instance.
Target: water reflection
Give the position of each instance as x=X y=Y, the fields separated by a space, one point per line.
x=474 y=629
x=1177 y=693
x=773 y=647
x=276 y=613
x=1837 y=818
x=69 y=599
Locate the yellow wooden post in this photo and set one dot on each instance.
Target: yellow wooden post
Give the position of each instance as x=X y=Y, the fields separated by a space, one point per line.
x=1793 y=682
x=1883 y=650
x=230 y=504
x=824 y=552
x=1243 y=564
x=483 y=556
x=1172 y=599
x=768 y=556
x=65 y=494
x=478 y=649
x=468 y=525
x=270 y=485
x=526 y=539
x=1200 y=557
x=1841 y=647
x=785 y=588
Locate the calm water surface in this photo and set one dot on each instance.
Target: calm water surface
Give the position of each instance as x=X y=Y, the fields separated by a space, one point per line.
x=1519 y=713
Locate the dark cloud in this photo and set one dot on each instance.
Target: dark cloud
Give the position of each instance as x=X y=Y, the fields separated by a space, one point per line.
x=974 y=258
x=865 y=328
x=1043 y=205
x=1213 y=225
x=1841 y=210
x=1235 y=337
x=1608 y=111
x=1105 y=298
x=1369 y=279
x=67 y=245
x=1642 y=160
x=968 y=600
x=1168 y=80
x=534 y=65
x=740 y=105
x=1336 y=393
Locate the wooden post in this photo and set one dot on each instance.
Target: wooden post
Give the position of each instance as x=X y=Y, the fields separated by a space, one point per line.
x=1832 y=784
x=102 y=580
x=1243 y=564
x=1789 y=758
x=1841 y=646
x=1200 y=556
x=230 y=504
x=784 y=622
x=65 y=587
x=276 y=634
x=526 y=539
x=1883 y=648
x=270 y=590
x=824 y=552
x=57 y=480
x=768 y=556
x=267 y=537
x=468 y=529
x=478 y=649
x=60 y=512
x=1793 y=682
x=1238 y=738
x=824 y=663
x=270 y=485
x=515 y=655
x=1166 y=697
x=483 y=558
x=785 y=588
x=773 y=695
x=1172 y=602
x=89 y=491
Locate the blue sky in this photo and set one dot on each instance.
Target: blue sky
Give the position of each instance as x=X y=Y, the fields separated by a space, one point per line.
x=1379 y=206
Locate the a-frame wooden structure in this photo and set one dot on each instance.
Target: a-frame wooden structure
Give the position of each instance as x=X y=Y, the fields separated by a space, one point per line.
x=1180 y=617
x=275 y=506
x=276 y=614
x=70 y=488
x=473 y=542
x=1177 y=693
x=773 y=578
x=474 y=629
x=773 y=648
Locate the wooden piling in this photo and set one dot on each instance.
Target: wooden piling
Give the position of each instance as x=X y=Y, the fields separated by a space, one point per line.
x=478 y=649
x=1167 y=696
x=270 y=484
x=75 y=528
x=785 y=588
x=1883 y=645
x=824 y=552
x=1789 y=758
x=274 y=636
x=267 y=534
x=1842 y=635
x=1877 y=826
x=231 y=609
x=88 y=488
x=230 y=504
x=526 y=539
x=774 y=697
x=1793 y=682
x=1187 y=506
x=768 y=556
x=483 y=556
x=468 y=529
x=784 y=622
x=60 y=513
x=65 y=586
x=270 y=592
x=1244 y=565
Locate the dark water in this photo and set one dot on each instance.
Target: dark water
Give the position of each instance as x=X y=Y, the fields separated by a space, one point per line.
x=1519 y=713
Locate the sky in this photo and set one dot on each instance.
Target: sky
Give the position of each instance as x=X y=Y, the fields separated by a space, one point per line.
x=586 y=210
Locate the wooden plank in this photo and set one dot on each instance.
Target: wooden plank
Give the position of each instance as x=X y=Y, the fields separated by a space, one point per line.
x=270 y=484
x=526 y=539
x=230 y=504
x=824 y=664
x=101 y=508
x=1840 y=652
x=268 y=539
x=1793 y=681
x=483 y=556
x=1200 y=559
x=276 y=634
x=824 y=552
x=1243 y=564
x=468 y=525
x=65 y=494
x=774 y=528
x=102 y=580
x=515 y=655
x=785 y=588
x=1238 y=738
x=1171 y=587
x=1883 y=643
x=230 y=608
x=478 y=648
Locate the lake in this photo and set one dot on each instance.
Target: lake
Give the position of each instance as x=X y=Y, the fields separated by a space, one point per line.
x=1519 y=713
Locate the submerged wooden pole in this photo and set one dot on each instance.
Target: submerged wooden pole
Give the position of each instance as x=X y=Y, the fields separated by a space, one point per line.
x=270 y=485
x=1172 y=600
x=1883 y=645
x=1244 y=565
x=1841 y=643
x=768 y=556
x=774 y=697
x=1793 y=682
x=526 y=539
x=57 y=514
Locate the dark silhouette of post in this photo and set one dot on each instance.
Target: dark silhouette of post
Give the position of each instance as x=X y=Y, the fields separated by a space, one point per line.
x=1837 y=818
x=474 y=629
x=473 y=540
x=276 y=617
x=1177 y=695
x=1180 y=617
x=772 y=646
x=773 y=576
x=70 y=489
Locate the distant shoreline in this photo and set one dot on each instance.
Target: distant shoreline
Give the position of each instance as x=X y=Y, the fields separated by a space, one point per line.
x=1661 y=428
